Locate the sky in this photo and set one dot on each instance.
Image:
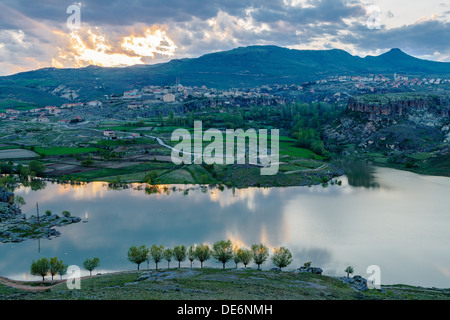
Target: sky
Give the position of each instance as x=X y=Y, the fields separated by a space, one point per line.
x=113 y=33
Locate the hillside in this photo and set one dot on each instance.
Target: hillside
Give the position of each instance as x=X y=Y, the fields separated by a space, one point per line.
x=240 y=67
x=213 y=284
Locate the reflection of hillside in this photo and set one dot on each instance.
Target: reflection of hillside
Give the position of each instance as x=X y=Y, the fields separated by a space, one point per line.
x=360 y=174
x=35 y=184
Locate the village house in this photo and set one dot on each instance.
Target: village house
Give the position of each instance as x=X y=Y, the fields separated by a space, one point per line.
x=36 y=110
x=130 y=93
x=71 y=105
x=53 y=110
x=169 y=97
x=108 y=134
x=12 y=112
x=43 y=119
x=94 y=103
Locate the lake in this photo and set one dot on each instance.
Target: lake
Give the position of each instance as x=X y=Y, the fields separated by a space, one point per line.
x=397 y=220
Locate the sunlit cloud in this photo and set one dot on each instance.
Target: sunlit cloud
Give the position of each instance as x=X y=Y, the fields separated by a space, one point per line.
x=90 y=46
x=150 y=44
x=99 y=53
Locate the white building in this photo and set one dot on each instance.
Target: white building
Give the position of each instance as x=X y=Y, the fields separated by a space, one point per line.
x=109 y=134
x=130 y=93
x=12 y=112
x=53 y=110
x=169 y=97
x=94 y=103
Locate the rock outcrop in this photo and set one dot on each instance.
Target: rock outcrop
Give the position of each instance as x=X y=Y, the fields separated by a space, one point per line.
x=309 y=269
x=356 y=282
x=15 y=227
x=396 y=105
x=5 y=195
x=392 y=122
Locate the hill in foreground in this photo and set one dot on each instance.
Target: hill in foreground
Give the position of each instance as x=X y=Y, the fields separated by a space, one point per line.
x=219 y=284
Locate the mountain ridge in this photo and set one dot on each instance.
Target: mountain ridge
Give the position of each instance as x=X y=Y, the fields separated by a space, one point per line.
x=239 y=67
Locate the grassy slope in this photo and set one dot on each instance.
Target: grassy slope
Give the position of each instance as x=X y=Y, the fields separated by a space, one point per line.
x=218 y=284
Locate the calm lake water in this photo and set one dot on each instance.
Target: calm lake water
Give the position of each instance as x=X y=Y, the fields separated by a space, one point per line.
x=395 y=219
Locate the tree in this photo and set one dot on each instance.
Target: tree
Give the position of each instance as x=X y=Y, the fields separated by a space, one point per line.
x=245 y=256
x=282 y=257
x=55 y=266
x=66 y=213
x=157 y=253
x=138 y=254
x=18 y=201
x=168 y=255
x=349 y=270
x=62 y=269
x=202 y=253
x=179 y=253
x=88 y=162
x=236 y=257
x=91 y=264
x=24 y=172
x=191 y=254
x=223 y=251
x=151 y=177
x=260 y=253
x=40 y=268
x=37 y=167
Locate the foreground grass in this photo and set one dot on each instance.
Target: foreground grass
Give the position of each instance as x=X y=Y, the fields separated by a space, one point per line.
x=218 y=284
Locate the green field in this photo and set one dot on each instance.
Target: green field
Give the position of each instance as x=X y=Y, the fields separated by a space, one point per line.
x=15 y=104
x=56 y=151
x=288 y=149
x=421 y=155
x=129 y=174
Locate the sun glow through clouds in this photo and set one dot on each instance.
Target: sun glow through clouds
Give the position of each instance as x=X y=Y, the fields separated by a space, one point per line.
x=157 y=42
x=91 y=47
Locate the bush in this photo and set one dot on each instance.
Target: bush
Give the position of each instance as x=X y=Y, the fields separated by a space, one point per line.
x=66 y=214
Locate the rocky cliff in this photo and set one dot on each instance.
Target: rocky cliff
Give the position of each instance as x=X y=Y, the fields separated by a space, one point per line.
x=392 y=122
x=398 y=105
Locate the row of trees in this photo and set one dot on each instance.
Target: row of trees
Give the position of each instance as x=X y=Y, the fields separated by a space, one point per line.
x=223 y=251
x=34 y=168
x=54 y=266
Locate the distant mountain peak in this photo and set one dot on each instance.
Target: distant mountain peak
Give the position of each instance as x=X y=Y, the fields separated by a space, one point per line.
x=396 y=52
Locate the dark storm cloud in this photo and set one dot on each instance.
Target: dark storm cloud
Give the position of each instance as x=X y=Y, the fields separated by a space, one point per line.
x=422 y=38
x=332 y=11
x=115 y=12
